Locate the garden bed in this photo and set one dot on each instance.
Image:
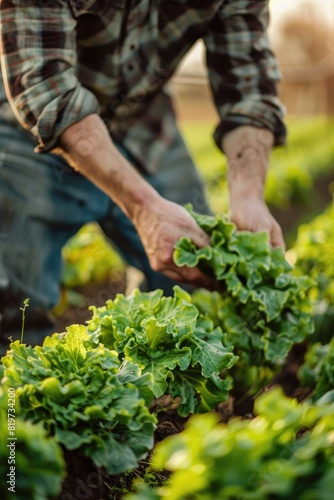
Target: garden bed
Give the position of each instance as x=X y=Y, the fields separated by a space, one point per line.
x=84 y=478
x=116 y=399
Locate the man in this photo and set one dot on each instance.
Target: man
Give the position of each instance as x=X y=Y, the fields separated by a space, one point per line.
x=84 y=84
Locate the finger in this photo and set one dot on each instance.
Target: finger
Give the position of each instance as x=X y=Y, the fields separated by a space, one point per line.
x=196 y=277
x=196 y=234
x=192 y=276
x=276 y=237
x=200 y=238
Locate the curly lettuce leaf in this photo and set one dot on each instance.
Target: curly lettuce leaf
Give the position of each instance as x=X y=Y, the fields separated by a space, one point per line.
x=261 y=305
x=165 y=336
x=84 y=397
x=286 y=451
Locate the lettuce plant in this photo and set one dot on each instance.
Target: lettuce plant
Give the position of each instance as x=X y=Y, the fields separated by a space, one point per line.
x=317 y=372
x=89 y=258
x=261 y=305
x=84 y=397
x=167 y=337
x=313 y=254
x=37 y=460
x=253 y=459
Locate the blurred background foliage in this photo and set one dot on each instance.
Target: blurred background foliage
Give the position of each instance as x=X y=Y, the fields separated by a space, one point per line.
x=89 y=258
x=294 y=168
x=313 y=255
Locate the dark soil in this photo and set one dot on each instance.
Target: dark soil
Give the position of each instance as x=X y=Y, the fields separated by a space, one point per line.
x=95 y=294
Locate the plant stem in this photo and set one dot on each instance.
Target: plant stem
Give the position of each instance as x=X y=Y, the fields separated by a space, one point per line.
x=23 y=309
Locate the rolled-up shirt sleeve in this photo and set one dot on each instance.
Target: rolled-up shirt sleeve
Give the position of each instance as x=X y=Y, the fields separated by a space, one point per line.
x=38 y=64
x=243 y=71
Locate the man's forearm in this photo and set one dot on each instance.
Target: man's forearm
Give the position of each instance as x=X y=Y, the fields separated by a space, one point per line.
x=247 y=150
x=88 y=148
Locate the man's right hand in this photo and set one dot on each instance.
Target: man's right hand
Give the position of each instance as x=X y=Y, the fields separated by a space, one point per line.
x=160 y=225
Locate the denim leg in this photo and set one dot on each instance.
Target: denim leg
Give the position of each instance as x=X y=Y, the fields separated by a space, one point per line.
x=43 y=202
x=177 y=180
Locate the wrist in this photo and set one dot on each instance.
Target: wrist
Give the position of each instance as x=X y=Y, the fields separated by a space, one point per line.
x=250 y=185
x=247 y=149
x=142 y=202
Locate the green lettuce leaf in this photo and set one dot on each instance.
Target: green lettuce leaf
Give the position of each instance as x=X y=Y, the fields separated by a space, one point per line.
x=261 y=304
x=286 y=451
x=85 y=397
x=166 y=336
x=39 y=463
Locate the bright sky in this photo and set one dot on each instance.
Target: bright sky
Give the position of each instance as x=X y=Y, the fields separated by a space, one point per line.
x=284 y=3
x=278 y=6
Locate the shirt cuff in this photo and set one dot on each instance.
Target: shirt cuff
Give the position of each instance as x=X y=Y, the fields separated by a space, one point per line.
x=60 y=113
x=262 y=117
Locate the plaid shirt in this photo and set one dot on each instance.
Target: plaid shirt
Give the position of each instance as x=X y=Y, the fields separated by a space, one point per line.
x=62 y=60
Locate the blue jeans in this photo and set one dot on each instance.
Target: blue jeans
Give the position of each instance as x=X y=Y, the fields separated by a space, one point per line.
x=43 y=202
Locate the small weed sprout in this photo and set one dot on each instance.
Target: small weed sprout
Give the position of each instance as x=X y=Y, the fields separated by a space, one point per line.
x=23 y=309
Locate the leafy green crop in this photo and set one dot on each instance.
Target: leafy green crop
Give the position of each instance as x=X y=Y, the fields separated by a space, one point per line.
x=317 y=372
x=257 y=459
x=167 y=337
x=36 y=462
x=313 y=254
x=261 y=305
x=294 y=168
x=89 y=258
x=83 y=397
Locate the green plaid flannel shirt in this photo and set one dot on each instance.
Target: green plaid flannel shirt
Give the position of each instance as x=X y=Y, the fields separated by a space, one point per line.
x=62 y=60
